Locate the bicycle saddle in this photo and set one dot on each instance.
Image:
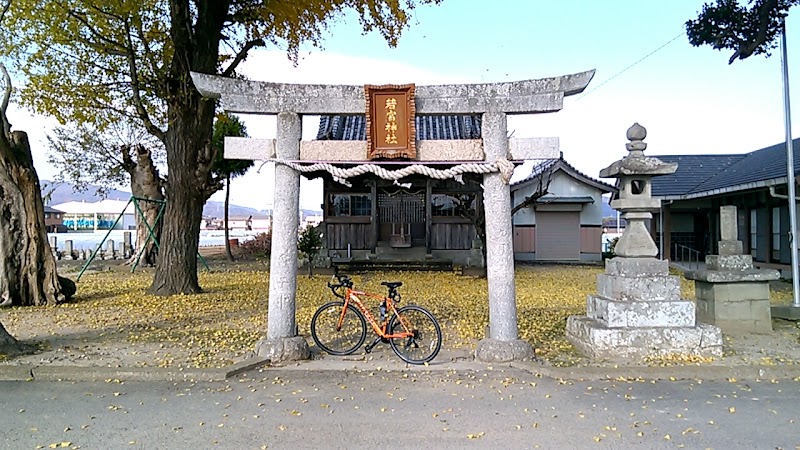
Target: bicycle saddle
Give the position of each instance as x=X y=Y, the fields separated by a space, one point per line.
x=392 y=284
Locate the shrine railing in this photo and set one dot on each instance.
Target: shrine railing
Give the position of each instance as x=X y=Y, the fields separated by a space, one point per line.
x=687 y=256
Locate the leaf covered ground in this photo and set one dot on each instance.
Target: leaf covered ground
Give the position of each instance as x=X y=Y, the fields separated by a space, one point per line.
x=222 y=324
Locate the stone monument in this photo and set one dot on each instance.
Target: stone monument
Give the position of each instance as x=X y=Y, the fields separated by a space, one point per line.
x=731 y=294
x=637 y=311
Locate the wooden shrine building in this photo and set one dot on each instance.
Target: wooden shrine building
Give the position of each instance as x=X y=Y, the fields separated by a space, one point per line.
x=416 y=219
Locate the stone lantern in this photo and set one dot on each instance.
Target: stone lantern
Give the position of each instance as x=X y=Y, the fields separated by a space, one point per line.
x=637 y=311
x=635 y=188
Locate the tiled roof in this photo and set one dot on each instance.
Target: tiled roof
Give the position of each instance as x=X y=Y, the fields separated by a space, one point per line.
x=697 y=174
x=566 y=199
x=692 y=171
x=539 y=168
x=560 y=163
x=354 y=128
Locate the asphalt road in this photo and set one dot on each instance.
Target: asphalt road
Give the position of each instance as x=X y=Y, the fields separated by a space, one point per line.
x=500 y=408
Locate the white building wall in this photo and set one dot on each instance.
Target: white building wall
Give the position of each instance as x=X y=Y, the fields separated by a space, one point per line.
x=562 y=185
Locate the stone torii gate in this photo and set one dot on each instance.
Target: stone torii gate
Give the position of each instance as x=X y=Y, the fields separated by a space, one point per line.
x=493 y=155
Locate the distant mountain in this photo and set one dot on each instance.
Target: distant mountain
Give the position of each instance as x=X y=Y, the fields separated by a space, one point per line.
x=217 y=209
x=56 y=193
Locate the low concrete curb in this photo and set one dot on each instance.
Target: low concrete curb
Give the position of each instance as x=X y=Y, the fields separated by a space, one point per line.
x=585 y=373
x=82 y=373
x=15 y=373
x=687 y=372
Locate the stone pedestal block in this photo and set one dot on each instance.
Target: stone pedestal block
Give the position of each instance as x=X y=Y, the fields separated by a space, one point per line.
x=729 y=262
x=730 y=248
x=734 y=307
x=639 y=288
x=637 y=267
x=494 y=350
x=283 y=349
x=601 y=342
x=623 y=313
x=638 y=313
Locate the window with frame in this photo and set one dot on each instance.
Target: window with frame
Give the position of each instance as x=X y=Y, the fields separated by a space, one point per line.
x=453 y=205
x=753 y=232
x=776 y=233
x=349 y=205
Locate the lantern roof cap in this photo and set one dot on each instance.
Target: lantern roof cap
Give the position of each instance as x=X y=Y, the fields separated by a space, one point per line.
x=635 y=163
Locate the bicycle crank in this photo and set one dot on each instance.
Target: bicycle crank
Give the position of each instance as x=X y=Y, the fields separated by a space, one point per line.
x=372 y=345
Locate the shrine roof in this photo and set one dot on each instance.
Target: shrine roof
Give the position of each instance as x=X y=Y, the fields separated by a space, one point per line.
x=442 y=127
x=704 y=175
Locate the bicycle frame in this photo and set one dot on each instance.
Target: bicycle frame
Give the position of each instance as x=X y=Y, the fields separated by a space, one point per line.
x=353 y=296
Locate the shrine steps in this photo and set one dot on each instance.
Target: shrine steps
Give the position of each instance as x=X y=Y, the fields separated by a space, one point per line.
x=367 y=265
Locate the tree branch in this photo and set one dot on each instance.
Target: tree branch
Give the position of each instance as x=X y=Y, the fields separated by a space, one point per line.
x=6 y=98
x=6 y=7
x=541 y=191
x=137 y=98
x=116 y=47
x=242 y=55
x=764 y=18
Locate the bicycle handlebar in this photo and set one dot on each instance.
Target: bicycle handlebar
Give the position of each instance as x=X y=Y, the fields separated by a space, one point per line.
x=343 y=281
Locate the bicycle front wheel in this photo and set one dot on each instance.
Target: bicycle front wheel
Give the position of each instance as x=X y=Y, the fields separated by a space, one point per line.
x=425 y=339
x=337 y=330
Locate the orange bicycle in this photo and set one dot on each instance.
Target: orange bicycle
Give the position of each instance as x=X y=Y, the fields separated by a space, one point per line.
x=340 y=328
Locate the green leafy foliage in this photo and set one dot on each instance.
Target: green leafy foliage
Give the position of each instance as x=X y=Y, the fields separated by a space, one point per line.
x=750 y=29
x=222 y=168
x=309 y=244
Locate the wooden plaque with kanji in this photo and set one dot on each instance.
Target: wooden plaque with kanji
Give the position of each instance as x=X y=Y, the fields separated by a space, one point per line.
x=391 y=130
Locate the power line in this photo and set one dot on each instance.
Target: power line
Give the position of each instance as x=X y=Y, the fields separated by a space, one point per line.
x=631 y=66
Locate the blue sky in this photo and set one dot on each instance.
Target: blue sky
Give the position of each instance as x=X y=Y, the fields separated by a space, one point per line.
x=689 y=99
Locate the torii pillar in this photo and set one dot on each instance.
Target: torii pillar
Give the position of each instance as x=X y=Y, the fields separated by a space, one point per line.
x=493 y=100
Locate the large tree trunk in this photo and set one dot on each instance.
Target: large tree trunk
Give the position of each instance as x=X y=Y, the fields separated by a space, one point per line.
x=145 y=184
x=8 y=345
x=187 y=141
x=227 y=205
x=189 y=156
x=27 y=266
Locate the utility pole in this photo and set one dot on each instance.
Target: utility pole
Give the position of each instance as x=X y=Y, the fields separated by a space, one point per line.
x=792 y=312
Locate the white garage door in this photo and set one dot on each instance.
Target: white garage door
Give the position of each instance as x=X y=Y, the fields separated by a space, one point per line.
x=558 y=236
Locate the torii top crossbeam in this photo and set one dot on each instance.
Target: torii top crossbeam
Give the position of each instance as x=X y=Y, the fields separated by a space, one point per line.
x=514 y=97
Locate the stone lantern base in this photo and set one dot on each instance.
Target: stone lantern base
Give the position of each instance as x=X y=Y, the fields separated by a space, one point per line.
x=638 y=313
x=732 y=295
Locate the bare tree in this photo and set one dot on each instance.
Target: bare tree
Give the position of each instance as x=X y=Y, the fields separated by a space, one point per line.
x=540 y=176
x=121 y=153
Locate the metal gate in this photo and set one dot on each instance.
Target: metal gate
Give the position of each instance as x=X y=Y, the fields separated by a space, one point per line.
x=404 y=212
x=401 y=206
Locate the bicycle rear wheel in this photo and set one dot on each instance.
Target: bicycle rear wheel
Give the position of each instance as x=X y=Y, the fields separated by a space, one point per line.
x=426 y=339
x=334 y=338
